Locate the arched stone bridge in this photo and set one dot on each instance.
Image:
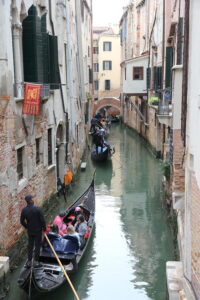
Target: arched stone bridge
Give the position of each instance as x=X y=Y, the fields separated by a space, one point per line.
x=107 y=102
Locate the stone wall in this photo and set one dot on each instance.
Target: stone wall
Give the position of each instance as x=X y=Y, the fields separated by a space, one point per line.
x=195 y=228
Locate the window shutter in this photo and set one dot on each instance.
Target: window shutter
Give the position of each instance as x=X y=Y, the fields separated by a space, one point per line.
x=180 y=42
x=103 y=65
x=86 y=112
x=168 y=67
x=45 y=49
x=159 y=78
x=32 y=47
x=148 y=77
x=155 y=78
x=110 y=65
x=54 y=76
x=90 y=75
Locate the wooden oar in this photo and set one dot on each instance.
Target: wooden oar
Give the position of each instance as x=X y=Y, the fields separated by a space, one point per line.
x=65 y=273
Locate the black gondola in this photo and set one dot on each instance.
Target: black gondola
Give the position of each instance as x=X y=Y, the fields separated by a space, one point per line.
x=50 y=276
x=102 y=154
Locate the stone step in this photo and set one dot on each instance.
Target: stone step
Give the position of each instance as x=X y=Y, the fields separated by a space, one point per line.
x=4 y=265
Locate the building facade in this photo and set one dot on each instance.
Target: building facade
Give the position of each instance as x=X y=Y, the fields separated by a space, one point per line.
x=43 y=44
x=106 y=57
x=166 y=32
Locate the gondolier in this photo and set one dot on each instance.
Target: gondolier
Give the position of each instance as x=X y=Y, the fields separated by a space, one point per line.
x=33 y=220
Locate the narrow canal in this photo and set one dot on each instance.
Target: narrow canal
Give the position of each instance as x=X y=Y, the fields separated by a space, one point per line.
x=132 y=239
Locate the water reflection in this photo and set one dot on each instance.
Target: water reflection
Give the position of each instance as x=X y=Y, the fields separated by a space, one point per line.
x=102 y=168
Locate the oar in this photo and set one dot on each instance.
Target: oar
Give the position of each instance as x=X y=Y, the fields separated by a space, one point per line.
x=65 y=273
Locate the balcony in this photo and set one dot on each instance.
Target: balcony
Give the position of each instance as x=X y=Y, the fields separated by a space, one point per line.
x=19 y=91
x=164 y=113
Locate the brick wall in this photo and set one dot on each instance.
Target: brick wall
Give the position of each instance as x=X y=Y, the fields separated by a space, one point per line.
x=178 y=159
x=39 y=180
x=195 y=229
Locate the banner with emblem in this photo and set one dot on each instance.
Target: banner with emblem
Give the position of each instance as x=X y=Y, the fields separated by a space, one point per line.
x=31 y=105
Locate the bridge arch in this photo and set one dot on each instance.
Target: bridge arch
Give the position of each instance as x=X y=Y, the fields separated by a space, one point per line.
x=114 y=102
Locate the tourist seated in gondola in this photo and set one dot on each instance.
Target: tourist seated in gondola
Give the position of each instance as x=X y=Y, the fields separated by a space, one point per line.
x=67 y=244
x=81 y=227
x=61 y=224
x=73 y=240
x=54 y=237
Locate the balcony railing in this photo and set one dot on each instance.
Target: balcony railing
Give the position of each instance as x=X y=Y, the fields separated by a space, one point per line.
x=19 y=90
x=164 y=103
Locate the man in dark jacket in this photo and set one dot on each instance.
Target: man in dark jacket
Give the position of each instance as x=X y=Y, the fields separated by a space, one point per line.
x=33 y=220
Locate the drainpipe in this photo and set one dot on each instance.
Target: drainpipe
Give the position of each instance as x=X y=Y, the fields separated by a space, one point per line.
x=185 y=71
x=163 y=42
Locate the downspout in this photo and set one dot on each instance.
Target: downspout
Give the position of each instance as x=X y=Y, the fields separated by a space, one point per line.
x=163 y=43
x=185 y=72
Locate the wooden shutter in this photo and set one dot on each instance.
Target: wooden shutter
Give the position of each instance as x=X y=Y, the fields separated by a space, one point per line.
x=45 y=49
x=180 y=42
x=168 y=67
x=54 y=76
x=90 y=75
x=148 y=77
x=155 y=76
x=32 y=47
x=86 y=112
x=159 y=78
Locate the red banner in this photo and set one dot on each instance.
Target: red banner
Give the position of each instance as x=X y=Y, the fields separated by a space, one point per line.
x=31 y=105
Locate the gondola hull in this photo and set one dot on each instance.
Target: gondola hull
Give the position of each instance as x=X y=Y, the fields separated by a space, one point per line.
x=50 y=276
x=102 y=155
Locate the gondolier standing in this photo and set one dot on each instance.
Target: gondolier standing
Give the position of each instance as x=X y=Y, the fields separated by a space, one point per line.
x=33 y=220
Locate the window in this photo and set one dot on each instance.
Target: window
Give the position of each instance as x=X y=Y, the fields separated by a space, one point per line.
x=96 y=67
x=96 y=85
x=157 y=78
x=90 y=75
x=107 y=65
x=107 y=84
x=49 y=146
x=137 y=73
x=168 y=67
x=95 y=50
x=148 y=73
x=107 y=46
x=40 y=51
x=20 y=162
x=37 y=148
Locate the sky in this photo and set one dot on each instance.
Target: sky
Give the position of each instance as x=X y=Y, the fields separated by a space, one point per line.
x=108 y=11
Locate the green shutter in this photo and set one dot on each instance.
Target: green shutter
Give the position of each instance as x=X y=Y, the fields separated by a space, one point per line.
x=90 y=75
x=32 y=47
x=148 y=77
x=45 y=49
x=155 y=78
x=54 y=76
x=168 y=67
x=86 y=112
x=159 y=78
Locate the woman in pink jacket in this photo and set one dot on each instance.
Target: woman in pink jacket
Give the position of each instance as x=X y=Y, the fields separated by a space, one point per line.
x=61 y=225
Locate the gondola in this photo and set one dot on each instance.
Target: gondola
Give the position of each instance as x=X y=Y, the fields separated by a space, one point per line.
x=50 y=276
x=102 y=154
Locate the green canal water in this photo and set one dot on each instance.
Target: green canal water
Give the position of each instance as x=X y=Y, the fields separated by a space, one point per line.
x=132 y=239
